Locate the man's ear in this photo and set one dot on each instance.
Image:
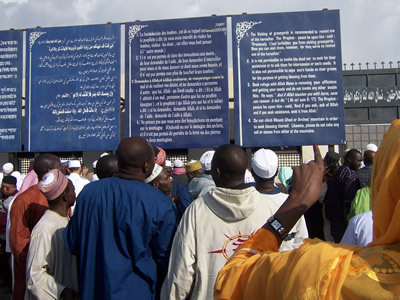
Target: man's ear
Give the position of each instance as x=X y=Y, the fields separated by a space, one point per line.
x=64 y=195
x=155 y=184
x=216 y=173
x=146 y=168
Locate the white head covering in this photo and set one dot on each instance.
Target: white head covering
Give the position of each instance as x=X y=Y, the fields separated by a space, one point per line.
x=371 y=147
x=94 y=164
x=206 y=159
x=168 y=163
x=248 y=177
x=8 y=168
x=178 y=163
x=265 y=163
x=104 y=154
x=156 y=171
x=74 y=164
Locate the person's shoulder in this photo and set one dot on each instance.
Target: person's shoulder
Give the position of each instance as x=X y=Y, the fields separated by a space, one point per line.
x=84 y=179
x=273 y=199
x=45 y=223
x=363 y=170
x=363 y=217
x=32 y=193
x=142 y=191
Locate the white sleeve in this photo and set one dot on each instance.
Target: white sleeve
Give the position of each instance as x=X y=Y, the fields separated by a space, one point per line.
x=39 y=282
x=180 y=278
x=300 y=233
x=350 y=236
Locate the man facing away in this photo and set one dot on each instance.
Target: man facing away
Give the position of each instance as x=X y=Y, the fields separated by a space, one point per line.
x=8 y=193
x=264 y=170
x=122 y=230
x=107 y=166
x=52 y=272
x=79 y=182
x=213 y=226
x=202 y=184
x=342 y=188
x=364 y=174
x=26 y=211
x=193 y=170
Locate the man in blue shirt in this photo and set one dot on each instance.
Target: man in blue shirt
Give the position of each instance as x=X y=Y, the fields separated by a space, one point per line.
x=122 y=230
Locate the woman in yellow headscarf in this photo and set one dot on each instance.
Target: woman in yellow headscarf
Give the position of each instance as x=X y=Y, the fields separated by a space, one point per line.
x=321 y=270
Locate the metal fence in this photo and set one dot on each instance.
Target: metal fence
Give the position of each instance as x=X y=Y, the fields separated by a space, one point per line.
x=360 y=135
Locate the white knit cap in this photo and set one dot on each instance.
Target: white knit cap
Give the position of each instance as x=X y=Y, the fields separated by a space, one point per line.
x=371 y=147
x=206 y=159
x=178 y=163
x=265 y=163
x=156 y=171
x=74 y=164
x=8 y=168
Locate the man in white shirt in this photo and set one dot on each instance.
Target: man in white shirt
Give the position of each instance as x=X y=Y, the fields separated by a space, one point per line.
x=214 y=226
x=264 y=170
x=75 y=169
x=51 y=271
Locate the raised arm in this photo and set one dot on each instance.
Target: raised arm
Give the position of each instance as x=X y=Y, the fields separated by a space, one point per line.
x=306 y=189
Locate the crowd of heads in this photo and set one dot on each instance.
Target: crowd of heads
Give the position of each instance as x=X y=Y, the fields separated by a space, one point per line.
x=226 y=167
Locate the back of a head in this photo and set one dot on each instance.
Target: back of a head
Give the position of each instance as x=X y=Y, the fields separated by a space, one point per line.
x=8 y=168
x=45 y=162
x=160 y=155
x=332 y=162
x=107 y=166
x=231 y=163
x=285 y=175
x=369 y=157
x=135 y=158
x=53 y=184
x=178 y=163
x=265 y=164
x=206 y=159
x=332 y=158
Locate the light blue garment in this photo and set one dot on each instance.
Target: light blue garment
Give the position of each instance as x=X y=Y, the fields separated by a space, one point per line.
x=201 y=185
x=359 y=232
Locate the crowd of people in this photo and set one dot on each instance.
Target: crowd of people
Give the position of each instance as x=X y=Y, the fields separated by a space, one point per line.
x=217 y=227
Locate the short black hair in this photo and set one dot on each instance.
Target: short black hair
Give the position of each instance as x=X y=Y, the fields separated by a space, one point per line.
x=351 y=153
x=10 y=180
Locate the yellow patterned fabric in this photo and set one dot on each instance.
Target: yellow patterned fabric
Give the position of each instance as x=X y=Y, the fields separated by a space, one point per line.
x=385 y=188
x=320 y=270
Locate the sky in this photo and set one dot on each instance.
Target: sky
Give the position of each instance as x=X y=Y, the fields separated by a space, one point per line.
x=369 y=29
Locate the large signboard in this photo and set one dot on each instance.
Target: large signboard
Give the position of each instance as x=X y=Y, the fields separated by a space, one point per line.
x=10 y=90
x=177 y=82
x=73 y=88
x=288 y=79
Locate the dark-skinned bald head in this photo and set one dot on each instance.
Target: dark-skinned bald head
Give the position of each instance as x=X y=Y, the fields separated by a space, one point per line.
x=369 y=157
x=107 y=166
x=135 y=158
x=44 y=163
x=228 y=166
